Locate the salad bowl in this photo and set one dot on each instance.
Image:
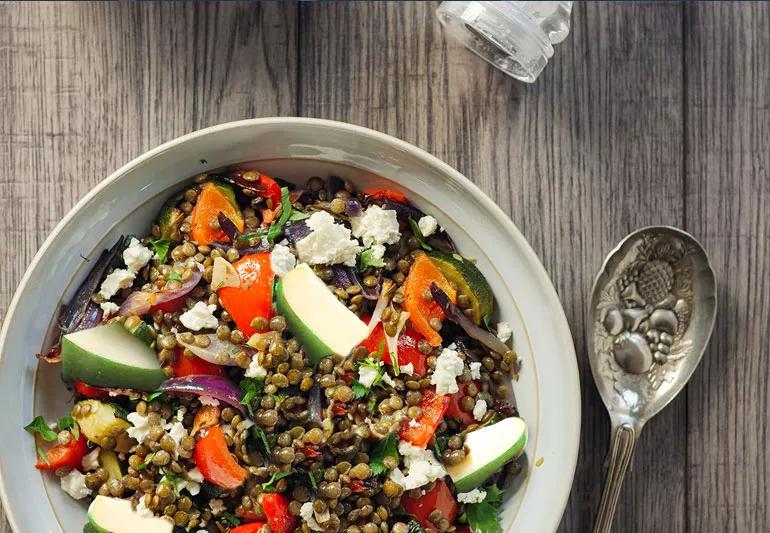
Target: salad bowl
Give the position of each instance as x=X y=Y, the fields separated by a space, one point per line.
x=546 y=391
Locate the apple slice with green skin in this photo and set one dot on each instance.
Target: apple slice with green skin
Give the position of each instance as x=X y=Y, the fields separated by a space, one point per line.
x=115 y=515
x=321 y=323
x=110 y=356
x=489 y=448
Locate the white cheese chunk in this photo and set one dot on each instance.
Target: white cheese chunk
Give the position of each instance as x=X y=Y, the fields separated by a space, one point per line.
x=90 y=461
x=306 y=513
x=328 y=243
x=480 y=409
x=217 y=507
x=136 y=255
x=74 y=484
x=201 y=316
x=422 y=464
x=281 y=260
x=255 y=370
x=473 y=496
x=475 y=370
x=428 y=225
x=367 y=375
x=141 y=426
x=376 y=226
x=116 y=280
x=504 y=331
x=108 y=309
x=407 y=369
x=448 y=367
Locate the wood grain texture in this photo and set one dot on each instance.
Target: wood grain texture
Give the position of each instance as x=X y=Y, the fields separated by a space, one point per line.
x=728 y=208
x=648 y=113
x=588 y=153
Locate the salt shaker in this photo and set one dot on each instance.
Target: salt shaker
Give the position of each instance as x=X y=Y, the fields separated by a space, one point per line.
x=516 y=37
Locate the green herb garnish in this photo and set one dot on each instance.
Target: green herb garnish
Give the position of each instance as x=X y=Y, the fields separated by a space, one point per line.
x=367 y=260
x=231 y=519
x=418 y=235
x=251 y=387
x=360 y=390
x=119 y=411
x=161 y=248
x=40 y=426
x=147 y=461
x=387 y=447
x=483 y=516
x=268 y=486
x=276 y=227
x=298 y=215
x=68 y=422
x=154 y=396
x=258 y=433
x=174 y=276
x=313 y=482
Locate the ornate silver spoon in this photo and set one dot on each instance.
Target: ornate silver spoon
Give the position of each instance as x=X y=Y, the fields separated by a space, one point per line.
x=652 y=312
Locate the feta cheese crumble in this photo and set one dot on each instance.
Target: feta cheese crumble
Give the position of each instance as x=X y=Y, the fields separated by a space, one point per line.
x=201 y=316
x=422 y=464
x=217 y=507
x=407 y=369
x=448 y=367
x=307 y=514
x=475 y=370
x=109 y=309
x=141 y=426
x=116 y=280
x=428 y=225
x=388 y=380
x=376 y=226
x=74 y=484
x=504 y=331
x=480 y=409
x=177 y=432
x=281 y=260
x=136 y=255
x=143 y=510
x=367 y=376
x=474 y=496
x=328 y=243
x=255 y=370
x=90 y=461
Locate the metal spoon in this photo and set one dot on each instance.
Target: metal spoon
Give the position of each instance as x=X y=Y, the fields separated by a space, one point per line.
x=652 y=312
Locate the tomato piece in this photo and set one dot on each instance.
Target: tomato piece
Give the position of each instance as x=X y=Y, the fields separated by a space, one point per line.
x=439 y=498
x=422 y=274
x=212 y=200
x=97 y=393
x=215 y=461
x=254 y=297
x=407 y=347
x=252 y=527
x=70 y=454
x=311 y=452
x=269 y=189
x=339 y=409
x=386 y=194
x=170 y=306
x=433 y=408
x=276 y=508
x=192 y=366
x=454 y=410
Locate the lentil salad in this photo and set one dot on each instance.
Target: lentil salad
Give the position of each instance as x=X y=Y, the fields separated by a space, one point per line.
x=253 y=412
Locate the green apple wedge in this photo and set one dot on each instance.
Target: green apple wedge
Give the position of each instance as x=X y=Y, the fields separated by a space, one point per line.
x=321 y=323
x=110 y=356
x=489 y=448
x=115 y=515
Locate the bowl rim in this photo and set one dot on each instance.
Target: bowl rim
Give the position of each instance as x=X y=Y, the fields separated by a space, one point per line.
x=560 y=324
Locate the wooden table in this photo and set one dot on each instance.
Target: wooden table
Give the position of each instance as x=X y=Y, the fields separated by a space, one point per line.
x=648 y=114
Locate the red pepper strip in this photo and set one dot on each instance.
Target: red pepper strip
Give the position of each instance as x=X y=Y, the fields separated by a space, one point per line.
x=433 y=408
x=70 y=454
x=386 y=194
x=253 y=527
x=215 y=461
x=254 y=297
x=407 y=347
x=194 y=366
x=455 y=411
x=439 y=498
x=96 y=393
x=276 y=508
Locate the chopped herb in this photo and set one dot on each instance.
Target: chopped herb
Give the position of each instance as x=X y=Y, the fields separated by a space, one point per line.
x=41 y=454
x=313 y=482
x=161 y=247
x=387 y=447
x=154 y=396
x=276 y=227
x=147 y=461
x=68 y=422
x=40 y=426
x=174 y=276
x=441 y=443
x=119 y=411
x=483 y=516
x=359 y=391
x=380 y=349
x=231 y=519
x=372 y=404
x=258 y=433
x=315 y=476
x=298 y=215
x=268 y=486
x=243 y=240
x=251 y=387
x=494 y=494
x=418 y=235
x=367 y=260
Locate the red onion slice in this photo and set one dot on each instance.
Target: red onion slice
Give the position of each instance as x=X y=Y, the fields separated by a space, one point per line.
x=140 y=303
x=215 y=386
x=214 y=348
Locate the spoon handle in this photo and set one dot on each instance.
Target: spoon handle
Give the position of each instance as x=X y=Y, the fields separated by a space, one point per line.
x=621 y=451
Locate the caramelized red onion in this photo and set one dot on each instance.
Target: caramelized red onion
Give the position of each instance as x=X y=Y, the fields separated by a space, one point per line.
x=140 y=303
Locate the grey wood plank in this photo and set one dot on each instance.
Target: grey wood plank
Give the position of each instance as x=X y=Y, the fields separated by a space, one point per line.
x=728 y=208
x=85 y=87
x=588 y=153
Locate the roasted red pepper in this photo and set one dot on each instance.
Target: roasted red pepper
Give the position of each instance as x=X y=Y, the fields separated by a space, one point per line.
x=96 y=393
x=254 y=297
x=439 y=498
x=216 y=463
x=70 y=454
x=386 y=194
x=421 y=311
x=252 y=527
x=433 y=408
x=455 y=411
x=192 y=366
x=407 y=347
x=276 y=508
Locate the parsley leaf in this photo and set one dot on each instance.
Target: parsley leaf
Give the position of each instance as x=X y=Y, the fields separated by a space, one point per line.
x=483 y=516
x=40 y=426
x=118 y=410
x=154 y=396
x=146 y=463
x=367 y=260
x=440 y=444
x=231 y=519
x=313 y=482
x=161 y=247
x=276 y=227
x=372 y=404
x=418 y=235
x=387 y=447
x=68 y=422
x=174 y=276
x=359 y=391
x=494 y=495
x=268 y=486
x=298 y=215
x=259 y=433
x=251 y=387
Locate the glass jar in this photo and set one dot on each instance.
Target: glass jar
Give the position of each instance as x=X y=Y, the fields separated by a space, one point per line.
x=516 y=37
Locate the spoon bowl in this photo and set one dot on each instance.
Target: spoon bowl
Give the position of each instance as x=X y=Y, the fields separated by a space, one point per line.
x=652 y=311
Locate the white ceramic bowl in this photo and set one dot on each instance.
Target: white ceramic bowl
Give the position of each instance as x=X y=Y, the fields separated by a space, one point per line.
x=548 y=392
